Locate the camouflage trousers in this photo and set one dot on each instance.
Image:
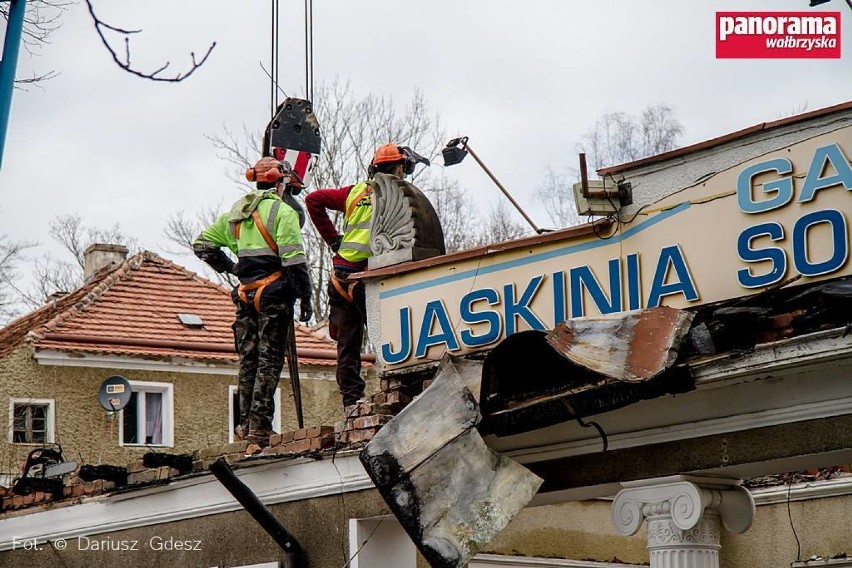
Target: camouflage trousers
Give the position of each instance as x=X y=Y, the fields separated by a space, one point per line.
x=260 y=339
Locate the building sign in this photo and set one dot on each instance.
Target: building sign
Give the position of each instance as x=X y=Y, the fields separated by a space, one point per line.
x=760 y=223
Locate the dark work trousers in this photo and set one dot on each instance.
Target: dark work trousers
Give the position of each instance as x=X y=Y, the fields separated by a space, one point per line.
x=349 y=320
x=260 y=339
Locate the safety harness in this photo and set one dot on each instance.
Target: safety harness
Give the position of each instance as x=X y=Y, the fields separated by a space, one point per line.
x=344 y=286
x=258 y=285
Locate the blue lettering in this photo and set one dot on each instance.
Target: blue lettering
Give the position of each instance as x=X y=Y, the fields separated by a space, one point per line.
x=782 y=187
x=634 y=285
x=388 y=356
x=814 y=182
x=583 y=277
x=521 y=308
x=775 y=255
x=435 y=312
x=800 y=242
x=560 y=314
x=671 y=256
x=491 y=317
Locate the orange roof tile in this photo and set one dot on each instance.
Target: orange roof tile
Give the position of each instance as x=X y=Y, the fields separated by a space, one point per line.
x=133 y=310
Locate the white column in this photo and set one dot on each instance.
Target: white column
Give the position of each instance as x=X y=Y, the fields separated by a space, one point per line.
x=685 y=515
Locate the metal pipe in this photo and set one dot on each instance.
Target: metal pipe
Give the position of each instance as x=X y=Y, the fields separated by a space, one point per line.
x=584 y=175
x=11 y=46
x=293 y=368
x=500 y=185
x=295 y=556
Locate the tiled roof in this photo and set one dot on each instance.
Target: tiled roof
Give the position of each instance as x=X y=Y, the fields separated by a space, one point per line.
x=133 y=311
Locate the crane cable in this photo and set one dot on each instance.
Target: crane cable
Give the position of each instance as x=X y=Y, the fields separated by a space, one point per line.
x=309 y=50
x=273 y=59
x=274 y=55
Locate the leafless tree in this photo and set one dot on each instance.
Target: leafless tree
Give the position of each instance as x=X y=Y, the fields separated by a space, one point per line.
x=50 y=274
x=459 y=219
x=11 y=256
x=41 y=19
x=75 y=236
x=555 y=193
x=352 y=128
x=503 y=224
x=124 y=61
x=617 y=138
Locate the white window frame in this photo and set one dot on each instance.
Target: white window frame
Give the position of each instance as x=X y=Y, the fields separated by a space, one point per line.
x=168 y=391
x=50 y=423
x=276 y=418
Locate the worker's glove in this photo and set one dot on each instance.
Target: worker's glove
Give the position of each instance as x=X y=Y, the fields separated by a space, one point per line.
x=306 y=311
x=335 y=244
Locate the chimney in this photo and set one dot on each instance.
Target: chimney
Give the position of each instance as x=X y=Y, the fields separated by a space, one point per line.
x=100 y=257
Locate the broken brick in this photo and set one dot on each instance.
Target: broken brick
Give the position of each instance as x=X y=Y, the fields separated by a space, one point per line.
x=298 y=446
x=318 y=431
x=371 y=421
x=322 y=442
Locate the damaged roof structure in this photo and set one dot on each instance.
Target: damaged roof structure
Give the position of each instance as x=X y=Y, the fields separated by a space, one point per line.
x=612 y=358
x=644 y=365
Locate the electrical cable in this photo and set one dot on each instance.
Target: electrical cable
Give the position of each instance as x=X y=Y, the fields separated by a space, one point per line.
x=363 y=544
x=790 y=516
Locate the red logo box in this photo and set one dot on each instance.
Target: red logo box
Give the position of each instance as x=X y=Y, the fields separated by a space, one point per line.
x=778 y=35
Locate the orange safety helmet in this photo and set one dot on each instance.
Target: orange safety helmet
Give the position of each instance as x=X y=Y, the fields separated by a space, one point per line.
x=388 y=153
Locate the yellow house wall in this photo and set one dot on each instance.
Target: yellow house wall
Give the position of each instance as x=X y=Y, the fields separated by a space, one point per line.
x=200 y=407
x=579 y=531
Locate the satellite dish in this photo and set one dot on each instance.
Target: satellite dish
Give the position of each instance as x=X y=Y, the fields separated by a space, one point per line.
x=114 y=393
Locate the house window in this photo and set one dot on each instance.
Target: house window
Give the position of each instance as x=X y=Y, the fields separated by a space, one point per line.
x=31 y=421
x=234 y=410
x=148 y=419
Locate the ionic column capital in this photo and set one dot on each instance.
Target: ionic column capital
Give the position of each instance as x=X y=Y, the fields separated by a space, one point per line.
x=685 y=500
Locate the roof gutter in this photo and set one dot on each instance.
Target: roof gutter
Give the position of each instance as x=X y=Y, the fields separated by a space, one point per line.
x=210 y=347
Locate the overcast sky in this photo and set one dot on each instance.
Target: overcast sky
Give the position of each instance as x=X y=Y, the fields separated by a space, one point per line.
x=523 y=79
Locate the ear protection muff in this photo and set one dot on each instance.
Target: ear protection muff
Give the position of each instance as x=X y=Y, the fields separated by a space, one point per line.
x=412 y=158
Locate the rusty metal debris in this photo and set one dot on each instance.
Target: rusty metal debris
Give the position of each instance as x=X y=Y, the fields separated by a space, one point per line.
x=450 y=492
x=632 y=346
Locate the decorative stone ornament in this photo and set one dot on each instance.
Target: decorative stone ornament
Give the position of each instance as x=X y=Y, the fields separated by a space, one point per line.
x=405 y=226
x=684 y=516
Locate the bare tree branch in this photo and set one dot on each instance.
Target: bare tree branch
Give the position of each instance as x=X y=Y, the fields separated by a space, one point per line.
x=100 y=26
x=41 y=19
x=555 y=193
x=11 y=255
x=618 y=138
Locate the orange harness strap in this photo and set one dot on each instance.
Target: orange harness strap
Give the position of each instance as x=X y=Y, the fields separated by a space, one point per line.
x=259 y=285
x=358 y=198
x=345 y=292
